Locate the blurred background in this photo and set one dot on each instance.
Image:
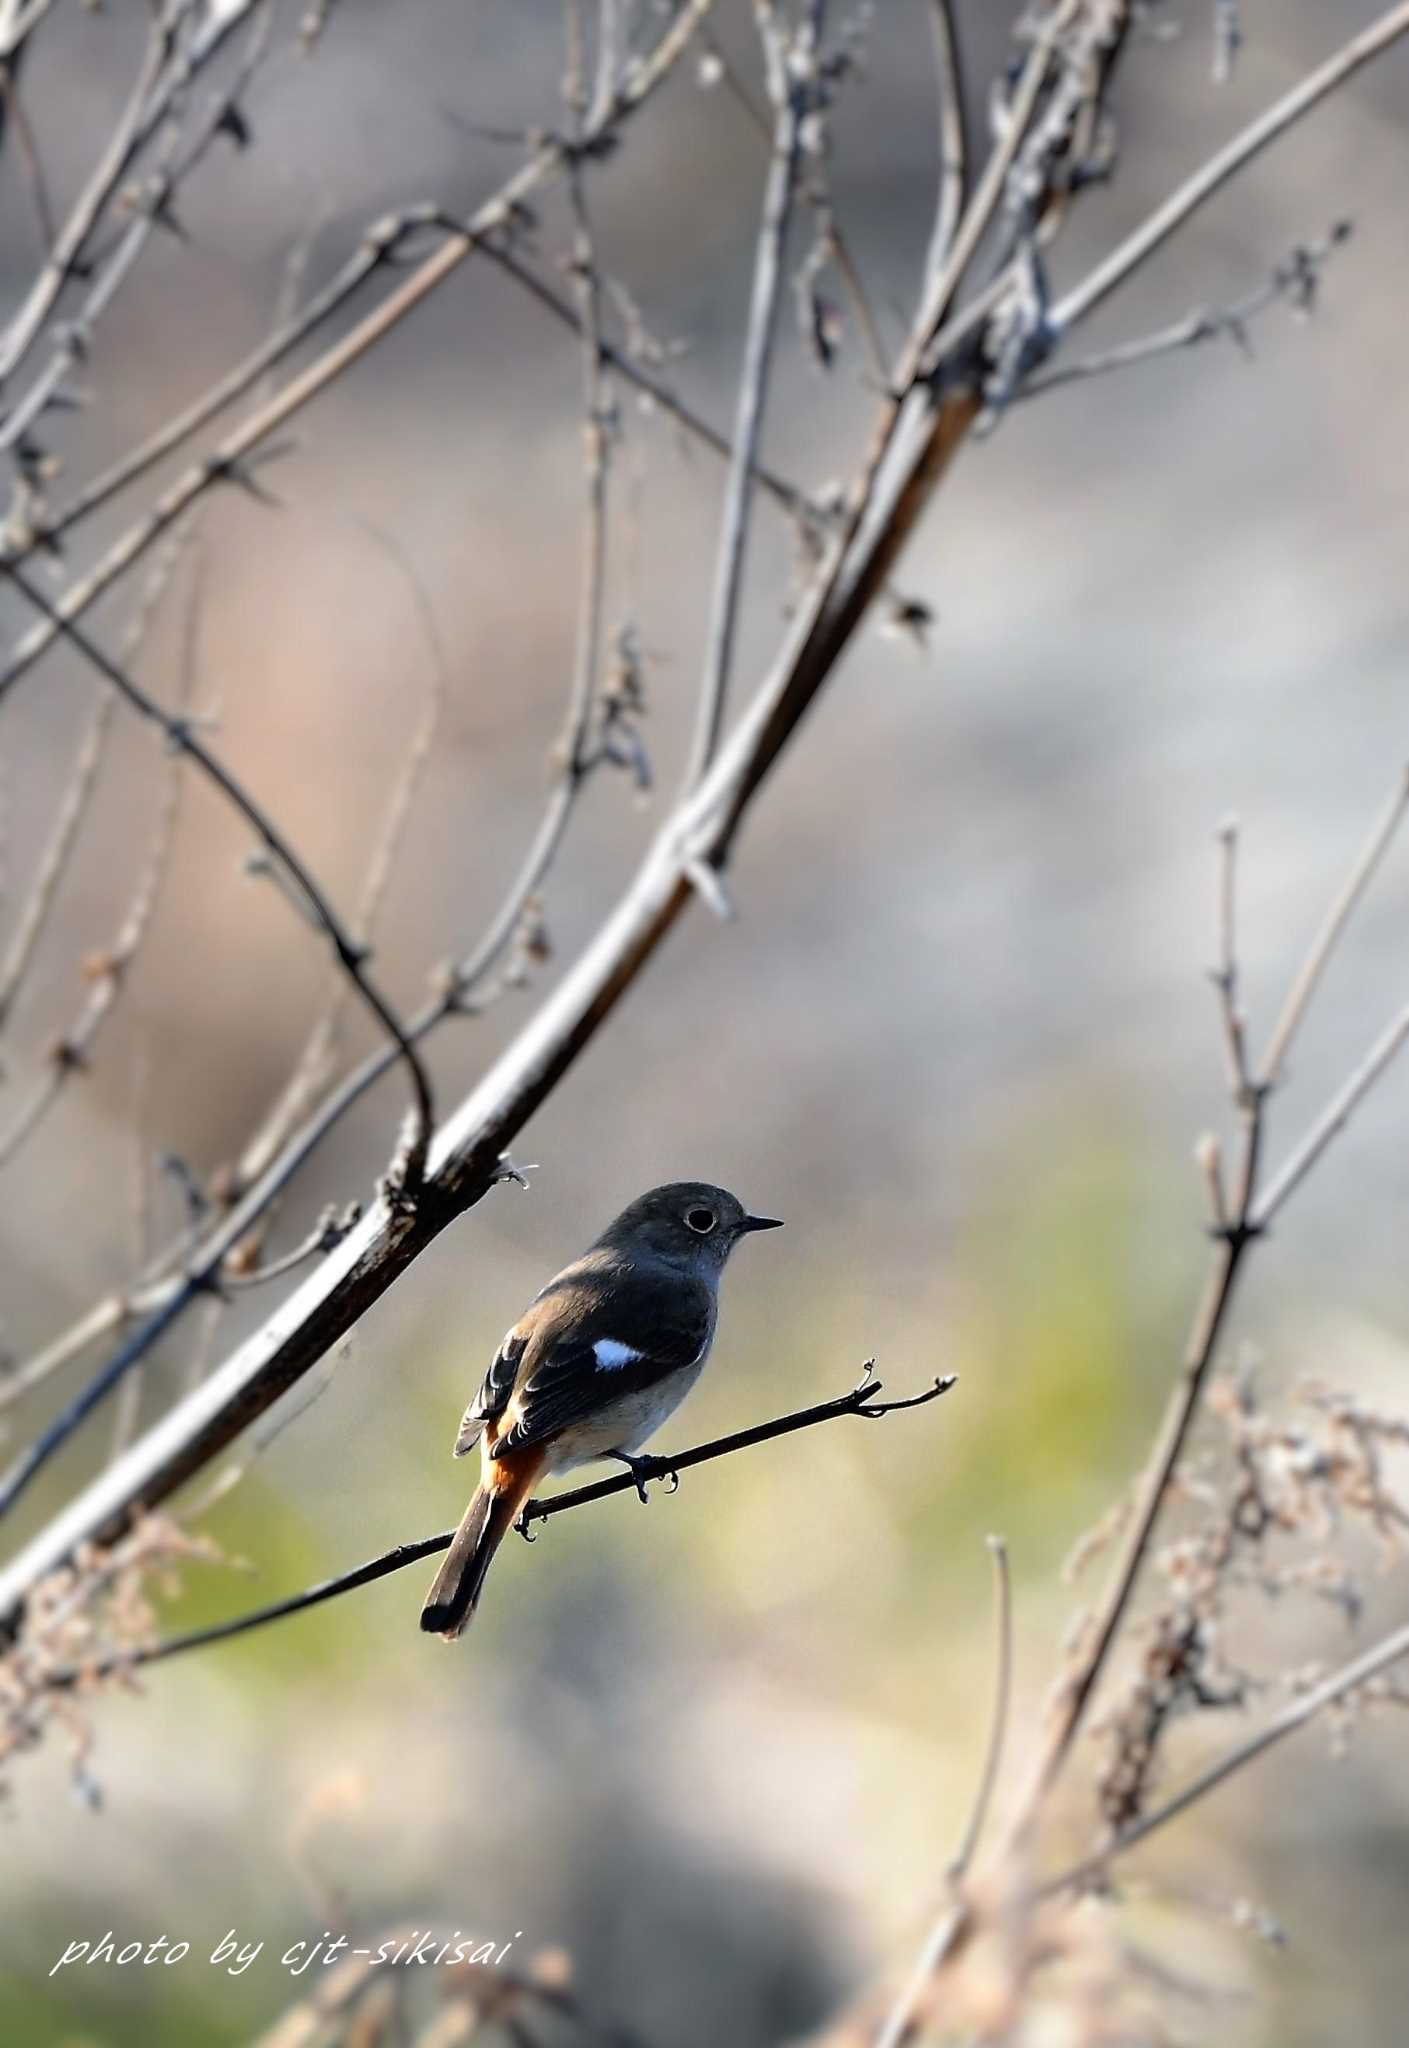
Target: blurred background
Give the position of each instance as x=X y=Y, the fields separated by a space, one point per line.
x=961 y=1037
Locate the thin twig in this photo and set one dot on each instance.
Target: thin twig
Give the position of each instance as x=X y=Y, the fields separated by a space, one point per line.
x=14 y=113
x=167 y=73
x=788 y=496
x=350 y=956
x=97 y=1322
x=20 y=24
x=79 y=791
x=788 y=65
x=128 y=1405
x=111 y=268
x=860 y=1401
x=1337 y=918
x=998 y=1720
x=1333 y=1120
x=326 y=1235
x=596 y=449
x=58 y=852
x=315 y=1061
x=1296 y=1715
x=230 y=459
x=409 y=1167
x=108 y=971
x=953 y=134
x=899 y=2025
x=1225 y=975
x=1296 y=279
x=1210 y=177
x=1250 y=1213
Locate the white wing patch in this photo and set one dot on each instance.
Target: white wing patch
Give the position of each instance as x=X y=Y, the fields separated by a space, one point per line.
x=611 y=1356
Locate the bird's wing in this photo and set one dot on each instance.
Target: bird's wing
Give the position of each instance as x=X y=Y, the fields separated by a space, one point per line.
x=494 y=1390
x=587 y=1364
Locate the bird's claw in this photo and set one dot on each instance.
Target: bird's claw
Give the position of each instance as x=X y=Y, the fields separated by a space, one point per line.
x=642 y=1469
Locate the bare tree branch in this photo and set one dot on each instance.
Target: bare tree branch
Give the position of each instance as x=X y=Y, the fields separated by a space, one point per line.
x=789 y=64
x=1327 y=939
x=1295 y=280
x=953 y=134
x=167 y=72
x=1247 y=1223
x=155 y=204
x=1212 y=176
x=230 y=458
x=1304 y=1708
x=861 y=1401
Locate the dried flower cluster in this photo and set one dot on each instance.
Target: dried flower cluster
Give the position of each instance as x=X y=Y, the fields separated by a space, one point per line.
x=1277 y=1496
x=80 y=1629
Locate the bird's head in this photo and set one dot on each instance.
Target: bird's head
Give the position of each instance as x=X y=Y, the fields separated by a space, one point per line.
x=685 y=1219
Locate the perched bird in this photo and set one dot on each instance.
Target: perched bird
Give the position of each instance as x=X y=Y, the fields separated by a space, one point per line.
x=602 y=1356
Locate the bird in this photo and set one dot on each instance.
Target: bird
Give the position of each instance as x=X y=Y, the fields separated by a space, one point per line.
x=600 y=1358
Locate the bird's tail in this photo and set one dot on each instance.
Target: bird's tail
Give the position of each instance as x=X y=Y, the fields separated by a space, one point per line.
x=502 y=1491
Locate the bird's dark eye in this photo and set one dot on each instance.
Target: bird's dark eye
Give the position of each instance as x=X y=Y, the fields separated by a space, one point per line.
x=701 y=1220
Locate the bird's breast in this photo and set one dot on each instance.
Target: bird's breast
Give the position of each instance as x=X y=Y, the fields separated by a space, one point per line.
x=625 y=1423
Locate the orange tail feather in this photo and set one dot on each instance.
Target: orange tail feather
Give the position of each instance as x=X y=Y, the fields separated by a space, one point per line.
x=502 y=1491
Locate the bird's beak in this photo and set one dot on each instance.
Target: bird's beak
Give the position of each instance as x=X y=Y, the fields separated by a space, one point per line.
x=761 y=1223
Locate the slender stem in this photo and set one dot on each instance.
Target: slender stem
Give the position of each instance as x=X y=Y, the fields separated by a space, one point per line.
x=350 y=956
x=1296 y=279
x=953 y=133
x=1296 y=1715
x=1251 y=1212
x=860 y=1401
x=899 y=2026
x=496 y=214
x=73 y=338
x=626 y=366
x=1002 y=1705
x=1210 y=177
x=167 y=73
x=1337 y=918
x=1333 y=1119
x=790 y=101
x=1225 y=978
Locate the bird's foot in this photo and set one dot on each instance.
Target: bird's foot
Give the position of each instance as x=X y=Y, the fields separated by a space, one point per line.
x=642 y=1469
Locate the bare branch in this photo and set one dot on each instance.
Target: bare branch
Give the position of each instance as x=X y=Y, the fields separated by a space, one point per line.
x=58 y=851
x=168 y=69
x=1295 y=280
x=1225 y=975
x=899 y=2026
x=1250 y=1214
x=314 y=1063
x=861 y=1401
x=1212 y=176
x=409 y=1166
x=1296 y=1715
x=153 y=205
x=350 y=955
x=14 y=113
x=1002 y=1704
x=1333 y=1119
x=107 y=970
x=231 y=455
x=1329 y=936
x=790 y=66
x=953 y=134
x=789 y=498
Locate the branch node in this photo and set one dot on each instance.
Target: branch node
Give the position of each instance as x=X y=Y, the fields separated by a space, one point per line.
x=708 y=884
